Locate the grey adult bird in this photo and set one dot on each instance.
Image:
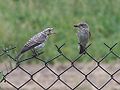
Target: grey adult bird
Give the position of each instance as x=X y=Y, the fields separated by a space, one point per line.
x=37 y=41
x=83 y=36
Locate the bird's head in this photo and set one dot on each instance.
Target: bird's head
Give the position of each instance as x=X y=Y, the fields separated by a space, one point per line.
x=81 y=25
x=49 y=31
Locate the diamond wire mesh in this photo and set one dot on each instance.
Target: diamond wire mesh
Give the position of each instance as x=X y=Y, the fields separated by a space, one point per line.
x=5 y=52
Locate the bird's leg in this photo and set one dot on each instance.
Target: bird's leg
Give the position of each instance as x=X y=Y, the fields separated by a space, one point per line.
x=34 y=52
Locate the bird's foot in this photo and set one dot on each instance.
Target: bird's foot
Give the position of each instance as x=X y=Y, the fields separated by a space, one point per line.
x=35 y=52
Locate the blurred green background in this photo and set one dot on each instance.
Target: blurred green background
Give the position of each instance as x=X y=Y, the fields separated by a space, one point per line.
x=21 y=19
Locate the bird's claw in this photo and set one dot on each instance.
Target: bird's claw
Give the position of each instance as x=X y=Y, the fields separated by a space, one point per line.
x=37 y=54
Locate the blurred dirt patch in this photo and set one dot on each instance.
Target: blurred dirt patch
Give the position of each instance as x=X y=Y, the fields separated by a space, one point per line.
x=72 y=77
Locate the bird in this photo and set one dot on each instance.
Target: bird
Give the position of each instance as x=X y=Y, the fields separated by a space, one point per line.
x=83 y=35
x=37 y=41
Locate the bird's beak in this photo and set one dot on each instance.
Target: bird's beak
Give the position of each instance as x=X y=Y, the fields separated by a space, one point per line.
x=76 y=26
x=52 y=31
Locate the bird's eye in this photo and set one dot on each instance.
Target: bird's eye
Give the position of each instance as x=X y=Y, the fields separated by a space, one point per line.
x=81 y=25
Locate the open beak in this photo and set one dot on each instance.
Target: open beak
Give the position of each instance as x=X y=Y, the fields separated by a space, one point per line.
x=76 y=26
x=53 y=32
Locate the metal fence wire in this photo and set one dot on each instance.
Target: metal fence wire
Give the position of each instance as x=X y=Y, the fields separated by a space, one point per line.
x=61 y=53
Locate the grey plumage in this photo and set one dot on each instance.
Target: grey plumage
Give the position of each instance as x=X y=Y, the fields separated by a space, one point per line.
x=37 y=41
x=83 y=35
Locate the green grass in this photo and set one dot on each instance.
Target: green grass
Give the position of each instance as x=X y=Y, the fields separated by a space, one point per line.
x=21 y=19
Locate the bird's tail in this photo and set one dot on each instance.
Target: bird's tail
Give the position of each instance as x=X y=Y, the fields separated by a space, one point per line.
x=17 y=58
x=18 y=55
x=82 y=50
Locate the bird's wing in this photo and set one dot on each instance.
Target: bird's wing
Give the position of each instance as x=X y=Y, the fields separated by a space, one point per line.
x=83 y=37
x=34 y=41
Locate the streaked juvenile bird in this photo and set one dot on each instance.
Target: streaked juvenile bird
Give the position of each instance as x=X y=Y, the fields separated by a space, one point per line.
x=37 y=41
x=83 y=36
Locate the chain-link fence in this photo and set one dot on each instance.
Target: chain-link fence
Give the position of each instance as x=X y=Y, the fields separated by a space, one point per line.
x=58 y=76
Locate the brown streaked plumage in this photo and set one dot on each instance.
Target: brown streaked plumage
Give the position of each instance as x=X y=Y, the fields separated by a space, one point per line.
x=37 y=41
